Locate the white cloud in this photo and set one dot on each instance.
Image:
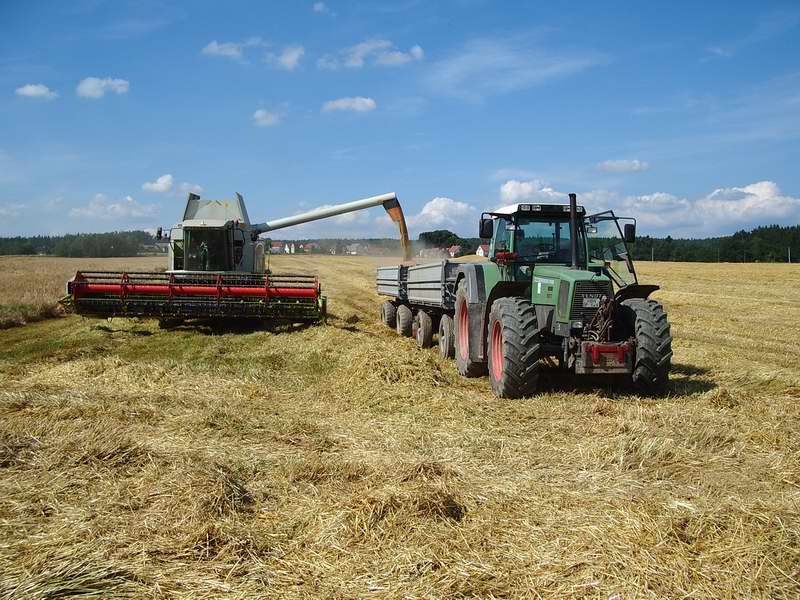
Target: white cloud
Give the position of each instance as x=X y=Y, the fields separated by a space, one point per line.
x=321 y=7
x=10 y=210
x=36 y=90
x=442 y=212
x=623 y=166
x=193 y=188
x=489 y=67
x=100 y=207
x=266 y=118
x=722 y=212
x=288 y=59
x=356 y=104
x=161 y=185
x=394 y=58
x=514 y=190
x=376 y=51
x=232 y=50
x=95 y=87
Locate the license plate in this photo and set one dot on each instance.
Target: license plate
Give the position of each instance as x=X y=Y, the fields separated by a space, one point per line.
x=589 y=302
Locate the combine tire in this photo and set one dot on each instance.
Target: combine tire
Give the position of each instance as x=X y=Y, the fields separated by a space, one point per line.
x=447 y=337
x=649 y=325
x=514 y=348
x=389 y=314
x=404 y=320
x=465 y=365
x=424 y=330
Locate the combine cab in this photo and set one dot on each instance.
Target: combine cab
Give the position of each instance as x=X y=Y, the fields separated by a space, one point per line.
x=215 y=271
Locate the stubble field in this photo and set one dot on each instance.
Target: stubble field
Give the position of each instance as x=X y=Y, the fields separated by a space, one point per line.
x=340 y=461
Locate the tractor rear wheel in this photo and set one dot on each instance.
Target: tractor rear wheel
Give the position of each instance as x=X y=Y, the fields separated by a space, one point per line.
x=447 y=337
x=648 y=324
x=404 y=320
x=464 y=363
x=514 y=348
x=389 y=314
x=424 y=330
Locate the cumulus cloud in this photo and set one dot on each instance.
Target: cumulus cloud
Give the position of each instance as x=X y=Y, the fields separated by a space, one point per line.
x=36 y=90
x=288 y=58
x=721 y=212
x=487 y=67
x=187 y=188
x=355 y=104
x=100 y=207
x=231 y=50
x=266 y=118
x=161 y=185
x=96 y=87
x=373 y=51
x=321 y=8
x=10 y=210
x=442 y=212
x=515 y=190
x=623 y=166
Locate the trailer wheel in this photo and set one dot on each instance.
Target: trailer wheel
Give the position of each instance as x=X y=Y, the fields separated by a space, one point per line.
x=389 y=314
x=447 y=338
x=514 y=348
x=647 y=322
x=404 y=320
x=424 y=330
x=464 y=363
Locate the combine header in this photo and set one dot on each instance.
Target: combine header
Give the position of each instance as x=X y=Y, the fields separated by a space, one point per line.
x=216 y=270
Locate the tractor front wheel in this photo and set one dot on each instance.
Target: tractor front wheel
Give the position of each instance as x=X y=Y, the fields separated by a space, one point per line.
x=648 y=323
x=405 y=320
x=464 y=363
x=389 y=314
x=514 y=348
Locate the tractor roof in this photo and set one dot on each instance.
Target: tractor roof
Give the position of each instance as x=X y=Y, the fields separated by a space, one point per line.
x=535 y=209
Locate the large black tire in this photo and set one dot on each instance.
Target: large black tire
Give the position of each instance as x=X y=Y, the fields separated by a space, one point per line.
x=514 y=348
x=389 y=314
x=424 y=330
x=653 y=344
x=464 y=363
x=447 y=337
x=404 y=320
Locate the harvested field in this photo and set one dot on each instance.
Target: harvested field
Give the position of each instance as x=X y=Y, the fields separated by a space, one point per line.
x=341 y=461
x=32 y=285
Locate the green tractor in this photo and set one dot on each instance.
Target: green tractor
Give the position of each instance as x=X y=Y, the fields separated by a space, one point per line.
x=558 y=286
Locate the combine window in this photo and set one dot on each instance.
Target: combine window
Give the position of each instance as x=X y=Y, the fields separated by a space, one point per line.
x=206 y=250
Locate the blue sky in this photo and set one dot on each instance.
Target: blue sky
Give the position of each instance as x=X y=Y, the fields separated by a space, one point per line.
x=685 y=115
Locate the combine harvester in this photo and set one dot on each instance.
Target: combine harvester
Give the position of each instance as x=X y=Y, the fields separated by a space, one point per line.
x=546 y=292
x=216 y=270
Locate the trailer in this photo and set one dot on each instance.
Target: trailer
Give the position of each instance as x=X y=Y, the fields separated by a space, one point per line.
x=558 y=286
x=423 y=301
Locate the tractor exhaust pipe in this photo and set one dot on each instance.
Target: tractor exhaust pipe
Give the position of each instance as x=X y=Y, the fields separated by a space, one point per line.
x=573 y=228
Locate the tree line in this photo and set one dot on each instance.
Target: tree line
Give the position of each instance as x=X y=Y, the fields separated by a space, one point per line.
x=82 y=245
x=763 y=244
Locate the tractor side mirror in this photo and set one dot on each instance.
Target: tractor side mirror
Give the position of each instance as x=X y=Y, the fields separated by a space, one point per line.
x=629 y=233
x=486 y=229
x=159 y=234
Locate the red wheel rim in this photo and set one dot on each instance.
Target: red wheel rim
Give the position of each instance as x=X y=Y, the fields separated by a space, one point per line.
x=463 y=332
x=497 y=351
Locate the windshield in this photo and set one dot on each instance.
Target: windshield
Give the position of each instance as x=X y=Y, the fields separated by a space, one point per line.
x=606 y=246
x=546 y=241
x=205 y=250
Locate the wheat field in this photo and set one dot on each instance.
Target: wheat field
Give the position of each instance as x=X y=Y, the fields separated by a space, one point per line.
x=341 y=461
